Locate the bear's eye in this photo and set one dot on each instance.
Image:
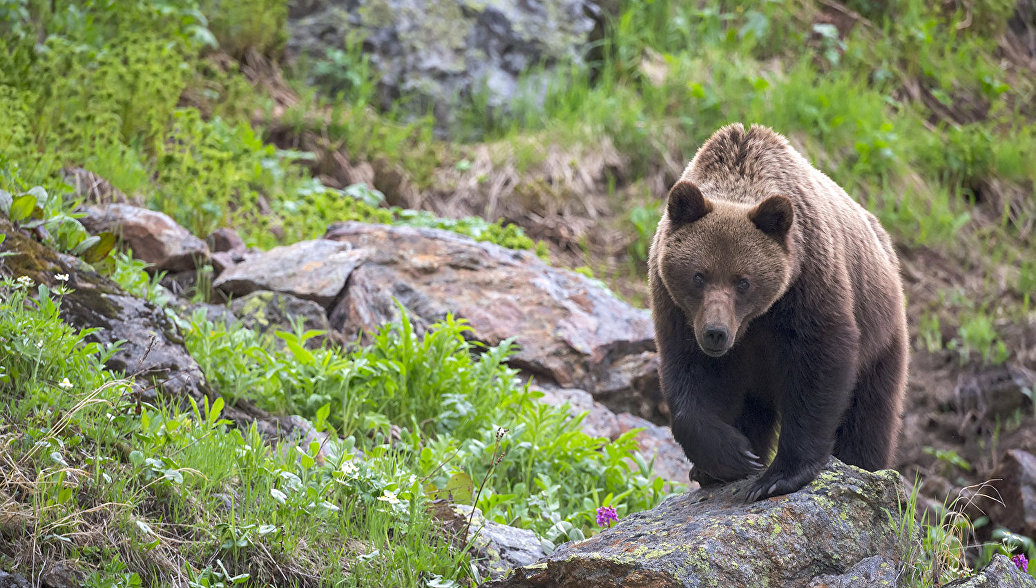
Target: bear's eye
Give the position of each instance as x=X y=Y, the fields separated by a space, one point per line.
x=699 y=280
x=742 y=285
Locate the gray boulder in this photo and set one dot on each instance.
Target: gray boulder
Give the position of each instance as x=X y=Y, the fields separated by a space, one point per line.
x=313 y=270
x=264 y=311
x=153 y=236
x=712 y=537
x=1000 y=573
x=439 y=53
x=496 y=548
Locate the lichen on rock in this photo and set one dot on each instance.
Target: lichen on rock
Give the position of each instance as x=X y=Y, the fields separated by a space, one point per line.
x=713 y=537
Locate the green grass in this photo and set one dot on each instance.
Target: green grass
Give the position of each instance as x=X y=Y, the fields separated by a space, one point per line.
x=136 y=493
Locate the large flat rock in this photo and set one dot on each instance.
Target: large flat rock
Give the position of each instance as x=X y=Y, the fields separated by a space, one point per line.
x=312 y=270
x=570 y=330
x=712 y=537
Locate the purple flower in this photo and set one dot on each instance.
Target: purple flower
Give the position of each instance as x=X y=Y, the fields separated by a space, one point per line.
x=606 y=516
x=1019 y=560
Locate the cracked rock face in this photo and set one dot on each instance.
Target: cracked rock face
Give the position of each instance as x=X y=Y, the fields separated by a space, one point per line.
x=712 y=537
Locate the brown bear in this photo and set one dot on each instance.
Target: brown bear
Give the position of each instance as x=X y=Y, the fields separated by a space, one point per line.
x=778 y=306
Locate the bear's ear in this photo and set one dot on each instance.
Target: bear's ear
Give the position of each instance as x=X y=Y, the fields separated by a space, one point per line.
x=686 y=203
x=773 y=216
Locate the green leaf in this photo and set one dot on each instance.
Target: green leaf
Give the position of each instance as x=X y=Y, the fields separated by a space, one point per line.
x=459 y=488
x=305 y=459
x=22 y=207
x=136 y=457
x=215 y=410
x=322 y=413
x=100 y=250
x=85 y=244
x=279 y=496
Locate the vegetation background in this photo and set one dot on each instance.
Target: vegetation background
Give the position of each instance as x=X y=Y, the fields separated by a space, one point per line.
x=924 y=112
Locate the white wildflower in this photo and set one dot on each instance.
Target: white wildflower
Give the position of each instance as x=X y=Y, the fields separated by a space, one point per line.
x=65 y=384
x=25 y=281
x=389 y=497
x=61 y=277
x=349 y=468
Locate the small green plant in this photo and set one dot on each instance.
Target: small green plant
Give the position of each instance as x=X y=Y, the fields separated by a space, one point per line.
x=977 y=334
x=35 y=209
x=934 y=544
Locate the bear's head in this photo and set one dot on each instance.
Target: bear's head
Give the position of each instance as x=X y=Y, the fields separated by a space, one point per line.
x=724 y=263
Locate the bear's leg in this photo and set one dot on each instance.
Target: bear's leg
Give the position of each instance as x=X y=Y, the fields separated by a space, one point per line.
x=867 y=437
x=814 y=392
x=758 y=422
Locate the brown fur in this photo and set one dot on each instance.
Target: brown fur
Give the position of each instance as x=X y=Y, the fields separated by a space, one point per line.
x=814 y=343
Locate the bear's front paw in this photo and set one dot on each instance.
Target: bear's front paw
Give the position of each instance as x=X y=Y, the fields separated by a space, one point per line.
x=780 y=480
x=733 y=462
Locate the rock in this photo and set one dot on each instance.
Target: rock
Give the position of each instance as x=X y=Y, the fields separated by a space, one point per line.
x=153 y=236
x=873 y=572
x=1015 y=482
x=313 y=270
x=8 y=580
x=441 y=54
x=497 y=548
x=711 y=537
x=60 y=576
x=570 y=330
x=994 y=392
x=265 y=311
x=1000 y=573
x=225 y=240
x=152 y=350
x=637 y=372
x=221 y=262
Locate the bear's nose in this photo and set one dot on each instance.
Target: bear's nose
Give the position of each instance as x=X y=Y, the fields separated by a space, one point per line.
x=716 y=337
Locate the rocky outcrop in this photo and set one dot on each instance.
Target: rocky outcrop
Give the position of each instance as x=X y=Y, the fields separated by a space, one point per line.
x=712 y=537
x=440 y=53
x=312 y=270
x=873 y=572
x=153 y=236
x=1000 y=573
x=569 y=330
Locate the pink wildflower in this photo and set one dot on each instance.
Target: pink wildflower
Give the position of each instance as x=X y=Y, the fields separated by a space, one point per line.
x=606 y=515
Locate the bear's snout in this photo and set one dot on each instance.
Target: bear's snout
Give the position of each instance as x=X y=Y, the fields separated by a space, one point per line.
x=714 y=340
